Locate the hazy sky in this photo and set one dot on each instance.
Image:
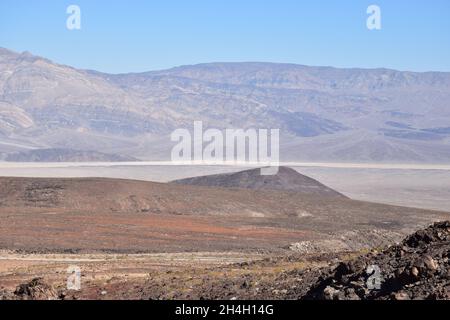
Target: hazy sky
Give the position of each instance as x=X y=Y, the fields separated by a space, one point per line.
x=134 y=35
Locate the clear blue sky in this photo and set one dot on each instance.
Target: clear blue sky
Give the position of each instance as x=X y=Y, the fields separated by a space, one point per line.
x=137 y=35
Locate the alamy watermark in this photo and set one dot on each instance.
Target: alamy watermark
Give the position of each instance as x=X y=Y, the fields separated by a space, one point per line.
x=73 y=22
x=375 y=279
x=374 y=20
x=229 y=146
x=74 y=278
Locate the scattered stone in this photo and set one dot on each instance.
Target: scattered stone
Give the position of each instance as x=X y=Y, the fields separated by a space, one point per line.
x=36 y=289
x=430 y=263
x=402 y=295
x=415 y=272
x=330 y=293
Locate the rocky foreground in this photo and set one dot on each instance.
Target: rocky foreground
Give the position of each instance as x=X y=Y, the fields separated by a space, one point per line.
x=417 y=268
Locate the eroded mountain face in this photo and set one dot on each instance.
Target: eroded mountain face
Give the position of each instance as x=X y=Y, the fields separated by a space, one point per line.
x=324 y=113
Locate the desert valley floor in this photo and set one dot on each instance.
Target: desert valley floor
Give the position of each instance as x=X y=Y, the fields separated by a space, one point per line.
x=181 y=240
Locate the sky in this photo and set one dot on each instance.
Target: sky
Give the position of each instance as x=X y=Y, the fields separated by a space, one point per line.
x=119 y=36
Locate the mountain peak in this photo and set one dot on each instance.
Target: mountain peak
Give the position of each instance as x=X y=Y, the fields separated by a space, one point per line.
x=7 y=53
x=287 y=179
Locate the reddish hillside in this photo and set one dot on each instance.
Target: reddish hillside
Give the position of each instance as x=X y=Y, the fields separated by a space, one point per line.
x=123 y=215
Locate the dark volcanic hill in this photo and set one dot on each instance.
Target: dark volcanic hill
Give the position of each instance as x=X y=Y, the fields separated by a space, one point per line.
x=286 y=179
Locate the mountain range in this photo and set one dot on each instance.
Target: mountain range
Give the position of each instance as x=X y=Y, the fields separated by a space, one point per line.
x=323 y=113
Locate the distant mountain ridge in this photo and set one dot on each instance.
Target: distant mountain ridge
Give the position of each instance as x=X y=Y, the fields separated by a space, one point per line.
x=323 y=113
x=65 y=155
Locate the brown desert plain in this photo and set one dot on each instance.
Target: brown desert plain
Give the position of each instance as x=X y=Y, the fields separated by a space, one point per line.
x=192 y=238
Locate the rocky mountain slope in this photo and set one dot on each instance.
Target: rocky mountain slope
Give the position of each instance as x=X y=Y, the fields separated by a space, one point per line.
x=418 y=268
x=286 y=179
x=324 y=113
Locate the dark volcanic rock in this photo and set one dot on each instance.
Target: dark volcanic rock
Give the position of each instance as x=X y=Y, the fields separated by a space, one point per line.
x=418 y=268
x=36 y=289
